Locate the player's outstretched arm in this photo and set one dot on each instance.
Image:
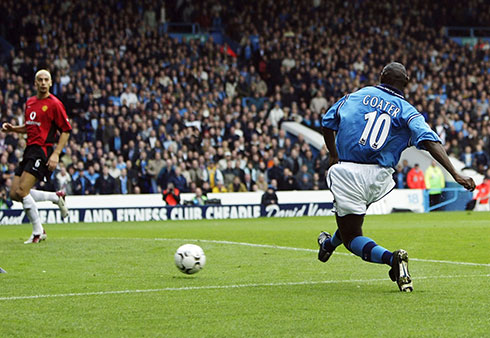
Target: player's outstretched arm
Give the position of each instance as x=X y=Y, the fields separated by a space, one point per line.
x=439 y=153
x=7 y=127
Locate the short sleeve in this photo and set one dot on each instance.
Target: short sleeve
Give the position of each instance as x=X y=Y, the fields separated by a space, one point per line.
x=331 y=119
x=420 y=131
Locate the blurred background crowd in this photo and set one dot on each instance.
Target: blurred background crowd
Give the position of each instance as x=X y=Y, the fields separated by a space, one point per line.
x=149 y=111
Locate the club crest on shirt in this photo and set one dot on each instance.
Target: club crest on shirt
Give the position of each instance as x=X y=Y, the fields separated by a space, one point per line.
x=44 y=108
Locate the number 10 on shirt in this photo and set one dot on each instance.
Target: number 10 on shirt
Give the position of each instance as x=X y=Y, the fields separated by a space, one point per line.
x=378 y=128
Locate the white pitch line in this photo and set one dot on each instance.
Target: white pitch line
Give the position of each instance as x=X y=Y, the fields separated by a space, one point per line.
x=310 y=250
x=447 y=262
x=211 y=287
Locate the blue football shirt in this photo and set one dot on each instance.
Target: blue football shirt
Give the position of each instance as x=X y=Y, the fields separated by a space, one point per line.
x=375 y=124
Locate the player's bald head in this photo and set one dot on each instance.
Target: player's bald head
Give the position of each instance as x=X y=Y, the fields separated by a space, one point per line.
x=43 y=72
x=394 y=74
x=43 y=82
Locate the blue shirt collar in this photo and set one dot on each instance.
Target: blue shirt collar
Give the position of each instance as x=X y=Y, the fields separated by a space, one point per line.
x=391 y=90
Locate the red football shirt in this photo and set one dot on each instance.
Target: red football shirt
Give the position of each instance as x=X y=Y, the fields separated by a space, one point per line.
x=43 y=119
x=483 y=190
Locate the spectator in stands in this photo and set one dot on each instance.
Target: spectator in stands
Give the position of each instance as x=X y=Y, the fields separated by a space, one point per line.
x=269 y=197
x=480 y=159
x=171 y=195
x=249 y=183
x=251 y=170
x=467 y=158
x=294 y=162
x=415 y=178
x=155 y=165
x=105 y=183
x=434 y=180
x=276 y=114
x=129 y=98
x=199 y=198
x=288 y=182
x=261 y=182
x=230 y=173
x=399 y=178
x=63 y=180
x=304 y=178
x=318 y=103
x=66 y=159
x=4 y=163
x=206 y=188
x=114 y=171
x=214 y=175
x=132 y=174
x=178 y=180
x=81 y=185
x=275 y=172
x=5 y=201
x=318 y=183
x=197 y=173
x=123 y=183
x=144 y=179
x=92 y=176
x=219 y=187
x=405 y=169
x=237 y=185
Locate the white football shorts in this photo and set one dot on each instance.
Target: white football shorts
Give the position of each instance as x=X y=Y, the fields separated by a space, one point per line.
x=355 y=186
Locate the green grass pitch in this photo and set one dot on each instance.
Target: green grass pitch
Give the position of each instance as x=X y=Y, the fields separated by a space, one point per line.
x=119 y=280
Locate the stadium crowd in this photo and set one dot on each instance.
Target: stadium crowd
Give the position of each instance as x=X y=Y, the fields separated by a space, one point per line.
x=148 y=110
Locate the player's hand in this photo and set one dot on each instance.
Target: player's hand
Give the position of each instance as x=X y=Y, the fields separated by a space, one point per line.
x=53 y=162
x=6 y=127
x=466 y=182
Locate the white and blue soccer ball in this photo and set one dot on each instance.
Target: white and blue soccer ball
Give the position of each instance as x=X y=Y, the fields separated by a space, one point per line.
x=190 y=258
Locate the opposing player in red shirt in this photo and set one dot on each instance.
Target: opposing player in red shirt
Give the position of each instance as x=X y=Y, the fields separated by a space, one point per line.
x=45 y=116
x=483 y=195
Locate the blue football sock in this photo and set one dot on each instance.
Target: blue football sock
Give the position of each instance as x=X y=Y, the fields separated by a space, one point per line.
x=368 y=250
x=333 y=242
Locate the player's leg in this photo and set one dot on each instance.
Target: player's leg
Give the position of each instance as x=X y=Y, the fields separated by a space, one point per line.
x=22 y=193
x=35 y=163
x=41 y=196
x=13 y=189
x=354 y=187
x=57 y=198
x=350 y=227
x=327 y=242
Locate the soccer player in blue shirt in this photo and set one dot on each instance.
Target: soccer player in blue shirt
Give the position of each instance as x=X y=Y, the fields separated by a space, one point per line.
x=365 y=133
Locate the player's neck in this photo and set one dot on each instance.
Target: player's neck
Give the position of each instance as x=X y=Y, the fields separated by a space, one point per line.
x=41 y=96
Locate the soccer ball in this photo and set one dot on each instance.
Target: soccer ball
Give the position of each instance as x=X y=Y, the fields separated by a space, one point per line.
x=190 y=258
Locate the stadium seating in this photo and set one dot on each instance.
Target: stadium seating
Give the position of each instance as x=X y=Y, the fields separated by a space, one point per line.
x=132 y=90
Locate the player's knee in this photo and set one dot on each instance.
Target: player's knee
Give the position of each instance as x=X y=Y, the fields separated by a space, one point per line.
x=19 y=193
x=347 y=237
x=14 y=196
